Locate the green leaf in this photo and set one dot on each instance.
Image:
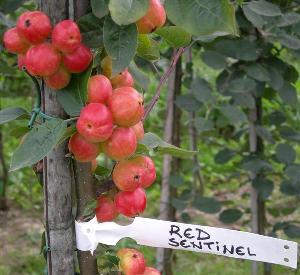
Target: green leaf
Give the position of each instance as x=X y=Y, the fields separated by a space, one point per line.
x=125 y=12
x=73 y=97
x=207 y=205
x=89 y=208
x=224 y=156
x=201 y=90
x=214 y=59
x=91 y=29
x=10 y=114
x=38 y=143
x=18 y=132
x=233 y=114
x=256 y=165
x=292 y=231
x=99 y=8
x=202 y=17
x=153 y=142
x=11 y=5
x=176 y=180
x=43 y=242
x=290 y=188
x=237 y=48
x=188 y=103
x=277 y=118
x=68 y=133
x=264 y=133
x=6 y=70
x=264 y=8
x=288 y=210
x=256 y=19
x=288 y=94
x=102 y=171
x=244 y=100
x=175 y=36
x=114 y=260
x=241 y=85
x=179 y=205
x=258 y=72
x=264 y=187
x=289 y=41
x=289 y=19
x=285 y=153
x=293 y=172
x=147 y=48
x=230 y=215
x=139 y=76
x=203 y=124
x=120 y=43
x=289 y=134
x=276 y=80
x=185 y=217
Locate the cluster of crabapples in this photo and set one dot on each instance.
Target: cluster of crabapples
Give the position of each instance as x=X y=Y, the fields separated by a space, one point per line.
x=53 y=61
x=110 y=123
x=132 y=262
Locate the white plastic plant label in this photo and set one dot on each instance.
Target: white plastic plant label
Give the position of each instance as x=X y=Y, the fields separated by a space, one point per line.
x=197 y=238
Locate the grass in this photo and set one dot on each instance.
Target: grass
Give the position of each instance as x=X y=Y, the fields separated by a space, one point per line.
x=21 y=264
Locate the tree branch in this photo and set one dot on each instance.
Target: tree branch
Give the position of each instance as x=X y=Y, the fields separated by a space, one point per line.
x=104 y=187
x=163 y=79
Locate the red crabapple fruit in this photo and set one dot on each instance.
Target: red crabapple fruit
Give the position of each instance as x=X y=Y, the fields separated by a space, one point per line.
x=42 y=60
x=132 y=262
x=66 y=36
x=78 y=60
x=14 y=42
x=99 y=89
x=124 y=79
x=95 y=122
x=131 y=203
x=122 y=144
x=59 y=79
x=83 y=150
x=35 y=26
x=127 y=106
x=106 y=210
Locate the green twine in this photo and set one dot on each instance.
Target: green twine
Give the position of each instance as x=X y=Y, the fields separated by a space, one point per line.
x=36 y=111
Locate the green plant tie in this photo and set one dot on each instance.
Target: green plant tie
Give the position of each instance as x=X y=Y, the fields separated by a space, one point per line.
x=36 y=111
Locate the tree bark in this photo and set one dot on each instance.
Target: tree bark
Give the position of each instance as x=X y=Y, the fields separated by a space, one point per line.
x=85 y=193
x=57 y=177
x=3 y=175
x=171 y=135
x=197 y=173
x=84 y=181
x=257 y=203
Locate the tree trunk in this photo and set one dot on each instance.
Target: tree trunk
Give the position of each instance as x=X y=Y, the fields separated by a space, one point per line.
x=3 y=173
x=57 y=170
x=171 y=135
x=3 y=176
x=257 y=203
x=83 y=178
x=197 y=173
x=85 y=193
